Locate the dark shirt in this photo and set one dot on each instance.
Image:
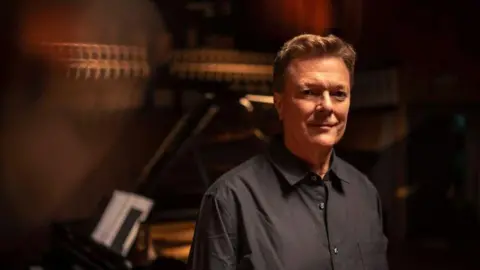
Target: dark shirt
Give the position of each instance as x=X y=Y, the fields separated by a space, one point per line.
x=272 y=212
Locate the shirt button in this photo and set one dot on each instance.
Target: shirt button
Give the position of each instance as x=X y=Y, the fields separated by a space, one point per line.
x=321 y=206
x=313 y=178
x=335 y=250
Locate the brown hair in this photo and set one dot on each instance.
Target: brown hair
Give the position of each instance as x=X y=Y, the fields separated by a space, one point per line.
x=311 y=45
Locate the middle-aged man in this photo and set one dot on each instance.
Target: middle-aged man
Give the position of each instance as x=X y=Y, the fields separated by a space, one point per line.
x=298 y=206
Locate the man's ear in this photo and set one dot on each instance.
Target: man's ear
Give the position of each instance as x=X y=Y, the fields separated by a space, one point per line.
x=278 y=101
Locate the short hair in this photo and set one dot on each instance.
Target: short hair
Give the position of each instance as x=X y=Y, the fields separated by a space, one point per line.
x=310 y=45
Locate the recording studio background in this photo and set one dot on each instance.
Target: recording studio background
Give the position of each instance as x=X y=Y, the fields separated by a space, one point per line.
x=92 y=90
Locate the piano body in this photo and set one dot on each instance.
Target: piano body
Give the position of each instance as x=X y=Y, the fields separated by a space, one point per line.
x=231 y=87
x=228 y=87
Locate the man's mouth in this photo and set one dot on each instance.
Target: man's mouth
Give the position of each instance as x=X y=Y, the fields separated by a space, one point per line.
x=322 y=125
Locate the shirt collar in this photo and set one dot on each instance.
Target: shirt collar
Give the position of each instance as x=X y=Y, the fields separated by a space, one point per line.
x=292 y=168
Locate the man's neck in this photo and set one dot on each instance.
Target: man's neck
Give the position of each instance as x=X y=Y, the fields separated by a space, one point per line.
x=318 y=159
x=323 y=162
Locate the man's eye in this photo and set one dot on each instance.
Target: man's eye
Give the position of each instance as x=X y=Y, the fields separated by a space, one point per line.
x=307 y=92
x=339 y=94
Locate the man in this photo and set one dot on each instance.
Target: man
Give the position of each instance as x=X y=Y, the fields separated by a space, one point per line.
x=298 y=206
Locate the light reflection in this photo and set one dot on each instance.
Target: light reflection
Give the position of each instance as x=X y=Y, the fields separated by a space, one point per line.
x=260 y=98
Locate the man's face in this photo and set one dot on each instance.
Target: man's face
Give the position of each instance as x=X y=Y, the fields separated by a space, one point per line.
x=315 y=102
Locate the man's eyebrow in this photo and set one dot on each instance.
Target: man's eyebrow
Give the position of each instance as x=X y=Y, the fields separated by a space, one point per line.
x=323 y=85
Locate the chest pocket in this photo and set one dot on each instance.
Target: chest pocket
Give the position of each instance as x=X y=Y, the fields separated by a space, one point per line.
x=374 y=255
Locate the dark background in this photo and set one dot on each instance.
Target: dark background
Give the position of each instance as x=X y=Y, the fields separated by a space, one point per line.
x=62 y=160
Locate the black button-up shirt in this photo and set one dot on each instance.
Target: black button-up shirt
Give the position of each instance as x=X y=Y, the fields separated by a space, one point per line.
x=272 y=212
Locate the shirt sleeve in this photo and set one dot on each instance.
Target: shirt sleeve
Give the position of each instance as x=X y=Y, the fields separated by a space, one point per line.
x=214 y=241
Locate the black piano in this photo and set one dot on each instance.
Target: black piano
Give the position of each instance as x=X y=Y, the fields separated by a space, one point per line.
x=229 y=84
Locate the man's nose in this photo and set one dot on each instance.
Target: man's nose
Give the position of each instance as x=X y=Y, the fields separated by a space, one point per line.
x=325 y=102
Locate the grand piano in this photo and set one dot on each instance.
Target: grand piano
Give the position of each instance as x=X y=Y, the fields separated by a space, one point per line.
x=228 y=110
x=232 y=114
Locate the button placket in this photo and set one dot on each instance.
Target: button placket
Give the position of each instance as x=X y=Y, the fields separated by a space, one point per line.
x=321 y=206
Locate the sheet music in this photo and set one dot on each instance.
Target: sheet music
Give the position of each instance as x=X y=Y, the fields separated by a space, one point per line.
x=112 y=223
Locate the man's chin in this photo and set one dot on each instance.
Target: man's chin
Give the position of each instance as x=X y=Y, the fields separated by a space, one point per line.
x=324 y=140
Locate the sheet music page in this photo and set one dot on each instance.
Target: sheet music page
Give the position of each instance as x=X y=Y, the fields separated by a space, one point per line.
x=115 y=214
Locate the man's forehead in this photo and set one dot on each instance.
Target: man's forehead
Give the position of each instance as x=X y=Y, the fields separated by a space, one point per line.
x=319 y=77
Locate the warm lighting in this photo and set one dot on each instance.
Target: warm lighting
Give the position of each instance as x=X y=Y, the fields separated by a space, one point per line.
x=179 y=253
x=175 y=231
x=246 y=103
x=405 y=191
x=283 y=19
x=222 y=68
x=260 y=98
x=173 y=239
